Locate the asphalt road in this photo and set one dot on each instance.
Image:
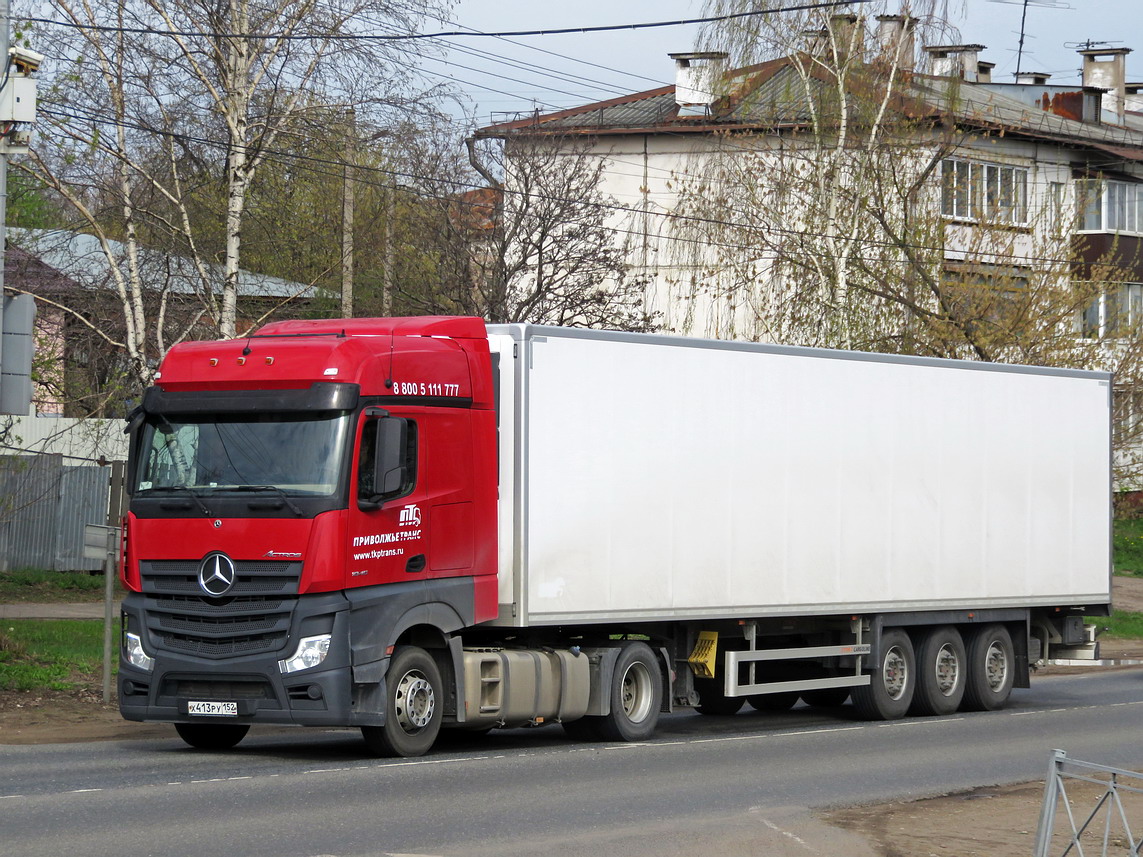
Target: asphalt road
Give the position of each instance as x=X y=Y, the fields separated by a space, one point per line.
x=725 y=786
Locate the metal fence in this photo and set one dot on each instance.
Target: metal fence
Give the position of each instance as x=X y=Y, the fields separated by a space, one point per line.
x=44 y=505
x=1111 y=796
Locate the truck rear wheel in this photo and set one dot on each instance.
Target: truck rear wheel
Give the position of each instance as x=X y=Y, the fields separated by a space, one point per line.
x=890 y=690
x=991 y=669
x=413 y=714
x=636 y=696
x=773 y=701
x=941 y=672
x=212 y=736
x=826 y=697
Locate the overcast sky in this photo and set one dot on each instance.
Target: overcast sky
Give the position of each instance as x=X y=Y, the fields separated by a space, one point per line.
x=504 y=76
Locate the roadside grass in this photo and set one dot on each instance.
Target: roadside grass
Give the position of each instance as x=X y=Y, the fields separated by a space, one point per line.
x=1124 y=626
x=35 y=586
x=1127 y=540
x=52 y=654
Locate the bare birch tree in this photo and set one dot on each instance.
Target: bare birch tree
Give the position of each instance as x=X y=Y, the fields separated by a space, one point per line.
x=148 y=104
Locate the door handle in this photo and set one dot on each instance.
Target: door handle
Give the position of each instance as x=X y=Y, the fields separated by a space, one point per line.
x=415 y=564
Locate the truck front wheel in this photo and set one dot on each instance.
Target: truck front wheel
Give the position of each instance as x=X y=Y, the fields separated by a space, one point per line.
x=636 y=696
x=991 y=669
x=212 y=736
x=890 y=690
x=413 y=714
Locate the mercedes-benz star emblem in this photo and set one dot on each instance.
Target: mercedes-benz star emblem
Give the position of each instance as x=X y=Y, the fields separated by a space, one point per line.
x=216 y=574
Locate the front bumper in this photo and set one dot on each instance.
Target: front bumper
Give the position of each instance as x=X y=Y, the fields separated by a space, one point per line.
x=319 y=696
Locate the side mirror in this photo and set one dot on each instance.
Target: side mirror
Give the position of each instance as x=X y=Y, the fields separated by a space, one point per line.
x=391 y=463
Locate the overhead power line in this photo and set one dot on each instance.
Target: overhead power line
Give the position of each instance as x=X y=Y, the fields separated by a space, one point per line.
x=332 y=167
x=445 y=34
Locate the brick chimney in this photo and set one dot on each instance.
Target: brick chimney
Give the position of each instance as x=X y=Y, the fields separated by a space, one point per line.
x=896 y=41
x=1106 y=69
x=955 y=61
x=1032 y=78
x=698 y=79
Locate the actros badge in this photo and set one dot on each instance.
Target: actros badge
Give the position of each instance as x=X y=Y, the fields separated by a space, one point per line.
x=216 y=574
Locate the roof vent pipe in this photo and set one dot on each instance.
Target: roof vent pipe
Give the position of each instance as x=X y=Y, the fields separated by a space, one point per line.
x=698 y=78
x=955 y=60
x=984 y=71
x=896 y=41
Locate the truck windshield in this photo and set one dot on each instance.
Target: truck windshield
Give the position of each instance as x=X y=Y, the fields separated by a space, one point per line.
x=293 y=454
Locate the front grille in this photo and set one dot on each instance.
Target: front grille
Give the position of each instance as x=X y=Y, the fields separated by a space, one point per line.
x=180 y=577
x=203 y=689
x=252 y=618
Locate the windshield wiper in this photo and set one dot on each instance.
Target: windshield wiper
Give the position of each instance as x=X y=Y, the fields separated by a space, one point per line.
x=294 y=507
x=197 y=497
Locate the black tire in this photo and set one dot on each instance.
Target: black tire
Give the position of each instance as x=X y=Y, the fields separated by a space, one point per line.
x=991 y=669
x=827 y=697
x=890 y=690
x=212 y=736
x=413 y=711
x=942 y=669
x=636 y=696
x=773 y=701
x=712 y=702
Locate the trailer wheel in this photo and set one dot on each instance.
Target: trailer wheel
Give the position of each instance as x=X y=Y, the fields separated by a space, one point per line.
x=826 y=697
x=636 y=696
x=773 y=701
x=713 y=702
x=413 y=713
x=890 y=690
x=941 y=670
x=212 y=736
x=991 y=669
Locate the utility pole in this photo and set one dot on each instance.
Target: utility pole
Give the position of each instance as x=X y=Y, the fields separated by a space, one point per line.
x=17 y=314
x=5 y=43
x=347 y=205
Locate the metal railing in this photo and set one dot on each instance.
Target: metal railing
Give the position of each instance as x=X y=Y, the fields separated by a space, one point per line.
x=1105 y=829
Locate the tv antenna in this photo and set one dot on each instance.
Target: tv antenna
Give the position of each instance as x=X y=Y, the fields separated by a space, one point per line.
x=1046 y=4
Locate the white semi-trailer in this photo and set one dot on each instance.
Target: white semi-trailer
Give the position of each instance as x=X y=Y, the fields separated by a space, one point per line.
x=506 y=525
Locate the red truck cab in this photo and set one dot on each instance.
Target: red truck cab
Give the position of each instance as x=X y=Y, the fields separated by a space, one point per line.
x=302 y=500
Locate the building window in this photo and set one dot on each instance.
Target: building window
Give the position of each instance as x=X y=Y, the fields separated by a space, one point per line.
x=976 y=191
x=1115 y=313
x=1110 y=206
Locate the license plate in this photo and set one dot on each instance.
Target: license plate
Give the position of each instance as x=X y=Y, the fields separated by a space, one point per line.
x=213 y=709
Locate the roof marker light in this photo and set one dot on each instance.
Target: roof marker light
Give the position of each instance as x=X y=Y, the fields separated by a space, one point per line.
x=269 y=361
x=331 y=371
x=213 y=361
x=241 y=361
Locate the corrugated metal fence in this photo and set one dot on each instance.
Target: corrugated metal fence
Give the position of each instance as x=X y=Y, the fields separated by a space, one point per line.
x=44 y=505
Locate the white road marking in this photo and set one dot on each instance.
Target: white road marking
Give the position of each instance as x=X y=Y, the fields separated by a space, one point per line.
x=789 y=835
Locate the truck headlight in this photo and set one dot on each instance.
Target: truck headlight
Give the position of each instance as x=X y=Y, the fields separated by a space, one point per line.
x=136 y=656
x=310 y=653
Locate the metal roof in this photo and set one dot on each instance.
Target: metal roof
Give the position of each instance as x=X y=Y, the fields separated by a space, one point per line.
x=773 y=95
x=81 y=258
